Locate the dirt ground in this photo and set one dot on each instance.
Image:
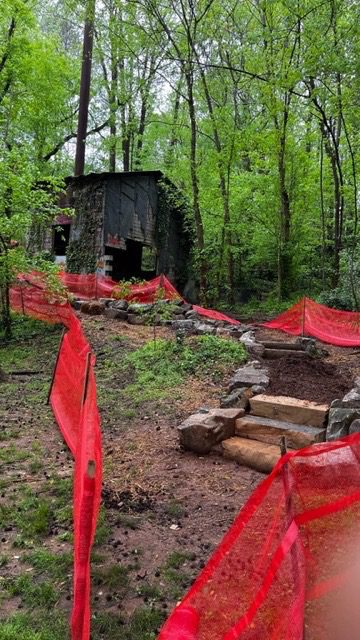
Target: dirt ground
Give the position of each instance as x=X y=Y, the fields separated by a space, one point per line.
x=164 y=510
x=321 y=380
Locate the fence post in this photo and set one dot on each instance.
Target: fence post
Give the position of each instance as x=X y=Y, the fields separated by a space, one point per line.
x=22 y=299
x=56 y=364
x=303 y=317
x=289 y=518
x=86 y=379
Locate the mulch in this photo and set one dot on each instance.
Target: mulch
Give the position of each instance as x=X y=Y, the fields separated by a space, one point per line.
x=307 y=379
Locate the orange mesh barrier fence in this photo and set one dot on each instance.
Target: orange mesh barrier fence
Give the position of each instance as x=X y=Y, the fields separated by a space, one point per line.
x=73 y=401
x=288 y=568
x=310 y=318
x=92 y=286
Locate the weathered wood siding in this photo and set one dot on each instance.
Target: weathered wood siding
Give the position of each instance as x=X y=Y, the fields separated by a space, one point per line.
x=130 y=209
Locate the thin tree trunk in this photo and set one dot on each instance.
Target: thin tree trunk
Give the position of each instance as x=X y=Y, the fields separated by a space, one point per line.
x=85 y=87
x=195 y=187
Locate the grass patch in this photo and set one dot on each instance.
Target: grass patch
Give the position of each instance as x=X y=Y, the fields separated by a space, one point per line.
x=144 y=625
x=32 y=594
x=56 y=566
x=11 y=454
x=114 y=577
x=165 y=364
x=46 y=626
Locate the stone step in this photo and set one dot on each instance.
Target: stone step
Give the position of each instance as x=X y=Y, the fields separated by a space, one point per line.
x=251 y=453
x=270 y=431
x=274 y=354
x=289 y=409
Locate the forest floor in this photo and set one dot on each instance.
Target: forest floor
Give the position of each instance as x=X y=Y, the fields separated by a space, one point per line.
x=164 y=511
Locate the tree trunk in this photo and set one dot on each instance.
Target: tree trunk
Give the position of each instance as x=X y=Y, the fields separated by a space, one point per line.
x=195 y=188
x=85 y=87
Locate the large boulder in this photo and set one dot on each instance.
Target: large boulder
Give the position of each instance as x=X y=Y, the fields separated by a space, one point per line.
x=202 y=328
x=93 y=308
x=202 y=431
x=351 y=399
x=121 y=305
x=140 y=308
x=250 y=375
x=254 y=348
x=116 y=314
x=340 y=420
x=237 y=398
x=133 y=318
x=182 y=325
x=354 y=427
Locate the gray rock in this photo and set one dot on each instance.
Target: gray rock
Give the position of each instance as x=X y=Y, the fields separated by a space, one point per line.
x=115 y=314
x=202 y=431
x=122 y=305
x=191 y=315
x=185 y=307
x=238 y=398
x=340 y=421
x=202 y=328
x=305 y=342
x=223 y=332
x=186 y=326
x=178 y=311
x=253 y=347
x=354 y=427
x=351 y=399
x=140 y=308
x=249 y=376
x=257 y=389
x=357 y=383
x=76 y=304
x=106 y=301
x=135 y=319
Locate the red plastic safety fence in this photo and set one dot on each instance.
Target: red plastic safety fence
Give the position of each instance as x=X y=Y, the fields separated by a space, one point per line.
x=73 y=400
x=310 y=318
x=288 y=568
x=93 y=286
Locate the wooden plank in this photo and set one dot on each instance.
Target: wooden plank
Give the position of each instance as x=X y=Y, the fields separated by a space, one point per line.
x=250 y=453
x=289 y=409
x=274 y=354
x=291 y=346
x=271 y=431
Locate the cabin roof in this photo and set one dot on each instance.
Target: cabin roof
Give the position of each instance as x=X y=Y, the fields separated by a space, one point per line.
x=89 y=177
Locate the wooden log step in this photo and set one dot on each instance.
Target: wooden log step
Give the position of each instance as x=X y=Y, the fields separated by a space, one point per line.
x=274 y=354
x=289 y=346
x=289 y=409
x=270 y=431
x=251 y=453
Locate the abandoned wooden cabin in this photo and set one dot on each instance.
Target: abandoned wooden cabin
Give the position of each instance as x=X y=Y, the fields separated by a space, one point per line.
x=125 y=225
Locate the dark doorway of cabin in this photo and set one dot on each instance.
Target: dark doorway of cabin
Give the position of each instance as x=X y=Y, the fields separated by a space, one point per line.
x=134 y=262
x=61 y=239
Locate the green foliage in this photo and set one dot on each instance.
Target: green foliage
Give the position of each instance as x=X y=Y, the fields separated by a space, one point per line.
x=165 y=363
x=32 y=594
x=37 y=626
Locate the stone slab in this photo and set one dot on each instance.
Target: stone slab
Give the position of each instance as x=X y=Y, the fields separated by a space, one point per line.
x=250 y=453
x=271 y=431
x=289 y=409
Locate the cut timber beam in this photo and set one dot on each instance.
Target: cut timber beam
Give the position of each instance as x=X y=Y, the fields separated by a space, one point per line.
x=250 y=453
x=289 y=409
x=271 y=431
x=289 y=346
x=274 y=354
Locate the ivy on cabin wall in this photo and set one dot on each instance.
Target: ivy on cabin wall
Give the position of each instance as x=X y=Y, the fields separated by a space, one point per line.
x=81 y=256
